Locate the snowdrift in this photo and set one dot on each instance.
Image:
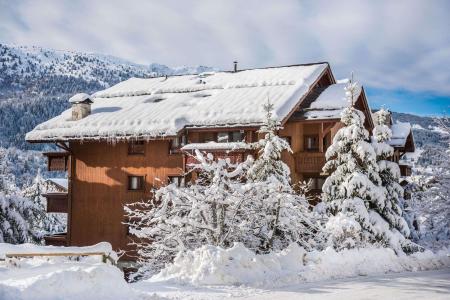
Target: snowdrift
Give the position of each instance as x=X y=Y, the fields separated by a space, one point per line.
x=43 y=280
x=210 y=265
x=51 y=278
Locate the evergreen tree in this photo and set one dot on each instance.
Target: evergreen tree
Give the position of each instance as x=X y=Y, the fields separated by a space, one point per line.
x=389 y=172
x=269 y=149
x=279 y=214
x=353 y=187
x=17 y=213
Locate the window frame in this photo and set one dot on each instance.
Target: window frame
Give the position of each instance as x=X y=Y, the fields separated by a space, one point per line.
x=181 y=180
x=305 y=142
x=141 y=183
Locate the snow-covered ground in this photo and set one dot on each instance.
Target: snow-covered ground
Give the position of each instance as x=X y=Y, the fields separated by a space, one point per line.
x=430 y=285
x=215 y=273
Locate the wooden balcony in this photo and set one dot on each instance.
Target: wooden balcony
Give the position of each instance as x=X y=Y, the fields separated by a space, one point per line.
x=57 y=161
x=59 y=239
x=309 y=162
x=57 y=202
x=405 y=170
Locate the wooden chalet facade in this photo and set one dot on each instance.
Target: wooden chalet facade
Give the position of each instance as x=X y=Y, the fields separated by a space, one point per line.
x=105 y=173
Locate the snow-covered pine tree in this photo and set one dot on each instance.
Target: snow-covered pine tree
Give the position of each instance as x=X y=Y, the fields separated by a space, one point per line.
x=269 y=148
x=279 y=215
x=44 y=222
x=17 y=213
x=389 y=172
x=353 y=188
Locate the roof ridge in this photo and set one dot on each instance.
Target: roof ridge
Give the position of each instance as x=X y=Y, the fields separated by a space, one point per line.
x=240 y=70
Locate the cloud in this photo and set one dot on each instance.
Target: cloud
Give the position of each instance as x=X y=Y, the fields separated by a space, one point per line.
x=389 y=44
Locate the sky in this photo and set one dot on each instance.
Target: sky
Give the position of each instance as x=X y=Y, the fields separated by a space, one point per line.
x=398 y=50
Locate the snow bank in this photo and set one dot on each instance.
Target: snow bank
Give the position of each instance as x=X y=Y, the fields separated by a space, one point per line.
x=210 y=265
x=45 y=280
x=51 y=278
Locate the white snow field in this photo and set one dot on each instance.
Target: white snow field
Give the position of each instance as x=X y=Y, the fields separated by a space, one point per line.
x=429 y=285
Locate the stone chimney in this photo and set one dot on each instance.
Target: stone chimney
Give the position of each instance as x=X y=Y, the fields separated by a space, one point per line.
x=81 y=106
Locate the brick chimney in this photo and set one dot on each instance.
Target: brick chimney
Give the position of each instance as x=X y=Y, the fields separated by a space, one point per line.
x=81 y=106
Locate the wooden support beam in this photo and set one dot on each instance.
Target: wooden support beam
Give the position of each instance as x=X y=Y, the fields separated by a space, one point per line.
x=321 y=138
x=327 y=129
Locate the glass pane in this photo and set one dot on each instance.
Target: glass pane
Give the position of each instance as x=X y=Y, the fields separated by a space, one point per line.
x=134 y=183
x=237 y=136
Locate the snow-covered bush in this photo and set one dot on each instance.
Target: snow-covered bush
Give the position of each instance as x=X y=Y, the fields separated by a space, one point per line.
x=184 y=218
x=429 y=206
x=353 y=192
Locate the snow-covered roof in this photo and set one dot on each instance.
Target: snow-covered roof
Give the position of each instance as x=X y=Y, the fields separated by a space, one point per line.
x=163 y=106
x=329 y=104
x=80 y=97
x=62 y=182
x=400 y=133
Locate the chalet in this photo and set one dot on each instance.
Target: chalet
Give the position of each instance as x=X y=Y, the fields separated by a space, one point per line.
x=120 y=142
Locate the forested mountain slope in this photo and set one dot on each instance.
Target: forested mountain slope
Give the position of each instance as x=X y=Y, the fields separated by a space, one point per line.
x=35 y=84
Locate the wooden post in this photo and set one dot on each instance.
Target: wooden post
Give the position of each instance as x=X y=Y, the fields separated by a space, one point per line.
x=321 y=137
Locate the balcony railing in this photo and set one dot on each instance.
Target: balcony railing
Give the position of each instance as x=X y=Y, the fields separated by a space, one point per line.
x=57 y=202
x=309 y=162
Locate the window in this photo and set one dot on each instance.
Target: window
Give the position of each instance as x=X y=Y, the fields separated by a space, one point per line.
x=208 y=137
x=136 y=148
x=311 y=143
x=230 y=137
x=237 y=136
x=135 y=183
x=223 y=137
x=177 y=180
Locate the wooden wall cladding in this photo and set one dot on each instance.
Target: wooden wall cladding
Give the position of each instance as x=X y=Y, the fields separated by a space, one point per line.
x=100 y=187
